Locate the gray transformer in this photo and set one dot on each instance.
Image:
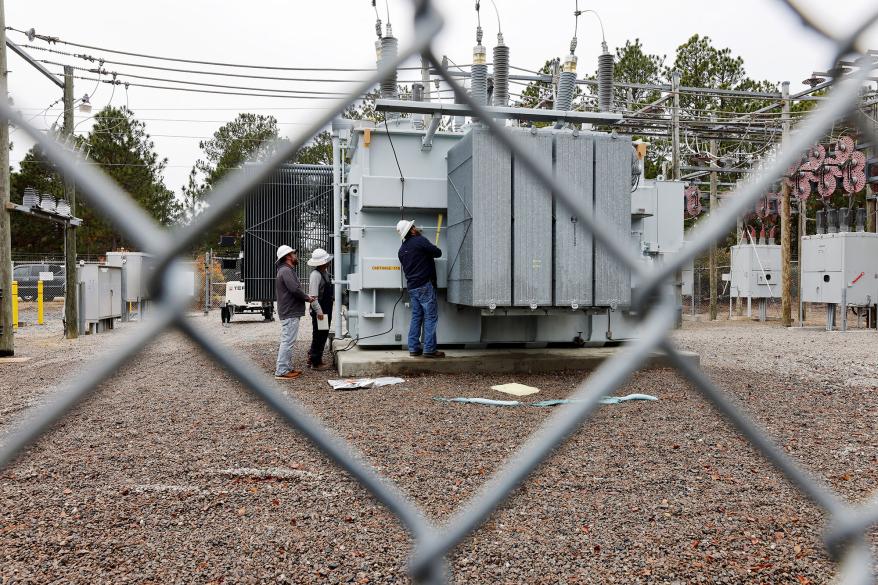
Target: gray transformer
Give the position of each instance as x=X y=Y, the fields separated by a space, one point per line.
x=517 y=267
x=516 y=245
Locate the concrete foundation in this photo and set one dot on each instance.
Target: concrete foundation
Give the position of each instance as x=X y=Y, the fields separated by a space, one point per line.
x=358 y=362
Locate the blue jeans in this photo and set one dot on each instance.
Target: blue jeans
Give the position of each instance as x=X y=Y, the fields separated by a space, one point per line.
x=425 y=312
x=289 y=331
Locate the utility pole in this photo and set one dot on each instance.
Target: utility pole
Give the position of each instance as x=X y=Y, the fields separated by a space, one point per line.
x=676 y=176
x=71 y=307
x=713 y=209
x=675 y=126
x=7 y=345
x=786 y=260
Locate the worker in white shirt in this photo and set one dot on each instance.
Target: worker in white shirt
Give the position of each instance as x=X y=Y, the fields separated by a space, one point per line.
x=320 y=288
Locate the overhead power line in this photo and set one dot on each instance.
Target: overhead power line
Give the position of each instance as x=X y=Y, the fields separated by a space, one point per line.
x=195 y=90
x=58 y=40
x=115 y=74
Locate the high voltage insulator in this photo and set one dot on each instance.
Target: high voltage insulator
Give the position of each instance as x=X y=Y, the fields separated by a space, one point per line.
x=389 y=52
x=501 y=73
x=566 y=84
x=605 y=80
x=479 y=75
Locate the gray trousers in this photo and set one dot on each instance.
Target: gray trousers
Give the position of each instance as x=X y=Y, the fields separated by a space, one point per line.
x=289 y=331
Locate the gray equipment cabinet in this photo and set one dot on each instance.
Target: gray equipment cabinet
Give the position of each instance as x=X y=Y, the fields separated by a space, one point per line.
x=137 y=269
x=100 y=290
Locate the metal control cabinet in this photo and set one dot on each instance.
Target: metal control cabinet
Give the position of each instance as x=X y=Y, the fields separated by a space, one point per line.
x=756 y=271
x=100 y=295
x=841 y=261
x=659 y=207
x=136 y=270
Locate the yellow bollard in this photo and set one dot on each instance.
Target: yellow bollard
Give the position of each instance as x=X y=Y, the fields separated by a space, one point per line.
x=39 y=302
x=438 y=227
x=15 y=304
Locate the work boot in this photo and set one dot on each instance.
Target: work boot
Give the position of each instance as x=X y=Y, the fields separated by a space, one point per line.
x=416 y=353
x=435 y=354
x=321 y=367
x=291 y=375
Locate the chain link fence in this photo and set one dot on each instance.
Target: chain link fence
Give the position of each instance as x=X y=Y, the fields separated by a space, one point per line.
x=847 y=525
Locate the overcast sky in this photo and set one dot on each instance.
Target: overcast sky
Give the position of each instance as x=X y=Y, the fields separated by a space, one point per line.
x=340 y=33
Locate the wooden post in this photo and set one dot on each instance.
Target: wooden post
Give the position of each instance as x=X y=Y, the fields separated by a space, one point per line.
x=71 y=303
x=7 y=346
x=785 y=231
x=713 y=209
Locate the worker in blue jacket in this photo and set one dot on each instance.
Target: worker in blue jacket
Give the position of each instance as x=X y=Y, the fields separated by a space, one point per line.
x=417 y=258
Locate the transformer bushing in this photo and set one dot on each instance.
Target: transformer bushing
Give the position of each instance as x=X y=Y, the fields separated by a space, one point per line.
x=605 y=80
x=479 y=79
x=389 y=88
x=501 y=73
x=821 y=221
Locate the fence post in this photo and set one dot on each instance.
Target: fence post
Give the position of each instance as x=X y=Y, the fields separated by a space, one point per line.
x=39 y=302
x=15 y=304
x=207 y=282
x=786 y=251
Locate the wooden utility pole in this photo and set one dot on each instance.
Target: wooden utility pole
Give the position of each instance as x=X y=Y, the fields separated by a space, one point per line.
x=7 y=345
x=676 y=176
x=786 y=260
x=71 y=298
x=713 y=209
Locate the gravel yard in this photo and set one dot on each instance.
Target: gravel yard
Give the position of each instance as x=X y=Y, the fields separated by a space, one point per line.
x=174 y=473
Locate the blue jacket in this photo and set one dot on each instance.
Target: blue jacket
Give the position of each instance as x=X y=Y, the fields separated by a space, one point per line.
x=416 y=257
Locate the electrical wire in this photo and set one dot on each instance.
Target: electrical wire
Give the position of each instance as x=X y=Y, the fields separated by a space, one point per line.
x=199 y=83
x=102 y=61
x=354 y=341
x=56 y=40
x=401 y=176
x=497 y=12
x=208 y=91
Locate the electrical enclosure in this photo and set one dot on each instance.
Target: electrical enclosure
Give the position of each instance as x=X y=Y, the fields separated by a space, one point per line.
x=756 y=271
x=101 y=292
x=843 y=260
x=136 y=270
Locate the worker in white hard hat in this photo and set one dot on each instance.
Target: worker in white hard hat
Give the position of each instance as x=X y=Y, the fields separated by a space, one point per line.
x=417 y=257
x=320 y=288
x=291 y=301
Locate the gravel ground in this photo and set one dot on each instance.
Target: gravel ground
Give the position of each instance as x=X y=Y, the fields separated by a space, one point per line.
x=174 y=473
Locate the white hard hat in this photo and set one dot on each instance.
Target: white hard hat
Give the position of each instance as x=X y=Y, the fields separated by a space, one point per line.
x=403 y=227
x=319 y=257
x=283 y=251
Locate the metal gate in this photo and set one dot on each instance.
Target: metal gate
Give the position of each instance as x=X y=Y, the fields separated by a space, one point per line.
x=292 y=206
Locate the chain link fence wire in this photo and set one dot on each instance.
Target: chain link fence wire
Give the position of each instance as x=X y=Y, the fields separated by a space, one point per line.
x=845 y=534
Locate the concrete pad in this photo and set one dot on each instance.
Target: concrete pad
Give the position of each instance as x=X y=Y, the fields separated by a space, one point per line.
x=14 y=360
x=358 y=362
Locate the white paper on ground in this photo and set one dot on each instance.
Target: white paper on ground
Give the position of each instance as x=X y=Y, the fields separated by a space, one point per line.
x=515 y=389
x=358 y=383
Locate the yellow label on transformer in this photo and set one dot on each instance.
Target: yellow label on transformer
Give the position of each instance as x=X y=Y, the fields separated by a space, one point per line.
x=385 y=268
